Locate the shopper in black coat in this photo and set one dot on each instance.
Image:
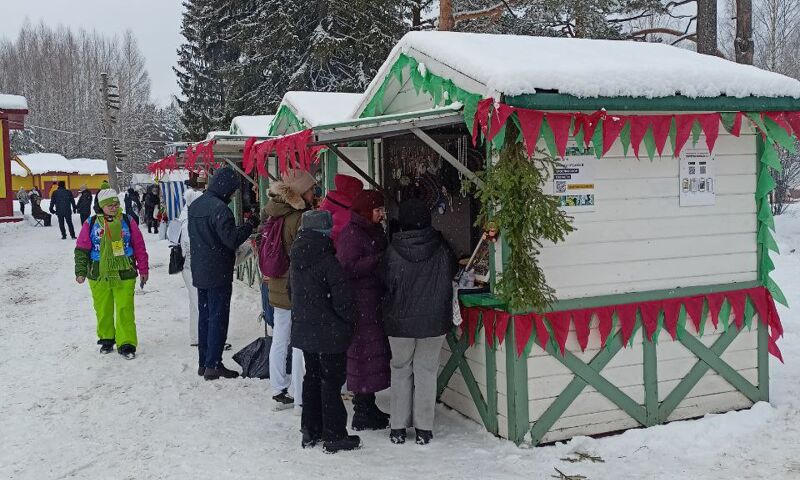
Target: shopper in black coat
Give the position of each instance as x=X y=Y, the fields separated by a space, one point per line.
x=322 y=326
x=62 y=203
x=151 y=202
x=418 y=270
x=214 y=238
x=85 y=204
x=133 y=204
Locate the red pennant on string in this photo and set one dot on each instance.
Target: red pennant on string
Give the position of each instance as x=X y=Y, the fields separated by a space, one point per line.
x=709 y=123
x=683 y=128
x=605 y=323
x=650 y=311
x=714 y=306
x=738 y=300
x=559 y=323
x=775 y=328
x=672 y=310
x=481 y=119
x=737 y=124
x=661 y=125
x=759 y=298
x=793 y=119
x=590 y=123
x=473 y=316
x=639 y=125
x=523 y=328
x=612 y=126
x=581 y=320
x=627 y=321
x=248 y=156
x=531 y=123
x=488 y=316
x=780 y=119
x=694 y=308
x=559 y=123
x=542 y=335
x=501 y=325
x=500 y=114
x=189 y=158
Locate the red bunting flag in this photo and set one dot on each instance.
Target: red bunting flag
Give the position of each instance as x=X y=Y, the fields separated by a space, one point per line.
x=589 y=124
x=759 y=298
x=683 y=126
x=737 y=124
x=559 y=324
x=581 y=320
x=672 y=310
x=501 y=325
x=709 y=123
x=531 y=123
x=639 y=127
x=542 y=335
x=488 y=315
x=738 y=300
x=606 y=323
x=780 y=119
x=714 y=306
x=793 y=119
x=650 y=311
x=559 y=123
x=473 y=317
x=523 y=328
x=500 y=114
x=661 y=125
x=481 y=119
x=612 y=126
x=627 y=321
x=694 y=308
x=248 y=156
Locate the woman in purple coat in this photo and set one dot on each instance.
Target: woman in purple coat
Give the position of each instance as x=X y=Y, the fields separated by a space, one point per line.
x=360 y=247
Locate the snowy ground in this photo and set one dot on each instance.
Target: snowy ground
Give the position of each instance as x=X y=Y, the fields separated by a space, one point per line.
x=67 y=412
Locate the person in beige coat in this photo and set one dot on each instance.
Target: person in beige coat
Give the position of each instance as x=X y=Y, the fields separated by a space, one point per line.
x=289 y=198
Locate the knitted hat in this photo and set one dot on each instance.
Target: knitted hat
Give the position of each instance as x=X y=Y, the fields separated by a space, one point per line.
x=299 y=181
x=317 y=220
x=414 y=215
x=107 y=197
x=366 y=201
x=347 y=185
x=104 y=185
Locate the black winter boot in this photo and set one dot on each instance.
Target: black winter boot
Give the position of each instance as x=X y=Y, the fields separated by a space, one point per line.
x=220 y=371
x=350 y=442
x=310 y=439
x=424 y=437
x=366 y=415
x=127 y=351
x=397 y=436
x=106 y=346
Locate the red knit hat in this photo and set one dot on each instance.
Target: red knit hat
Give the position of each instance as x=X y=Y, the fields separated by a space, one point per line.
x=366 y=201
x=348 y=186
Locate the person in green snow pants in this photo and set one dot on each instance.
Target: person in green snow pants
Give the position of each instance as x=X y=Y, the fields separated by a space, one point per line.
x=110 y=253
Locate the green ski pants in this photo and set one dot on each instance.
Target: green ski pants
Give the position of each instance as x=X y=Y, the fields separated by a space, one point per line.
x=110 y=298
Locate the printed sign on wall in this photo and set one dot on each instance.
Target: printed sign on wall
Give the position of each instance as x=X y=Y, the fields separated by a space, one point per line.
x=697 y=182
x=573 y=183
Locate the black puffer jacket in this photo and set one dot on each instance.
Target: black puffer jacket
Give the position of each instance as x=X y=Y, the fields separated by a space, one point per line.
x=85 y=203
x=323 y=312
x=418 y=269
x=213 y=234
x=62 y=202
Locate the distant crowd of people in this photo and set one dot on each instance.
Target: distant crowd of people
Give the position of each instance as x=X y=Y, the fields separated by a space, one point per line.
x=349 y=303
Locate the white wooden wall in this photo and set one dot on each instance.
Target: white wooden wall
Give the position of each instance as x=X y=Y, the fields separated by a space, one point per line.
x=359 y=156
x=639 y=238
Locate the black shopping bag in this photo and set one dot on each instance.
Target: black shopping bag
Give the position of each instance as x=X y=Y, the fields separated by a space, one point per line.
x=254 y=358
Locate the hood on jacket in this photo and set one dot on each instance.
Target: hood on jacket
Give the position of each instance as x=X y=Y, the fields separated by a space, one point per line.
x=309 y=248
x=280 y=193
x=417 y=245
x=189 y=196
x=224 y=183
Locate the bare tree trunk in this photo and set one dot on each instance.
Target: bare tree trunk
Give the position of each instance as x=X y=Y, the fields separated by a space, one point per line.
x=447 y=19
x=707 y=27
x=743 y=43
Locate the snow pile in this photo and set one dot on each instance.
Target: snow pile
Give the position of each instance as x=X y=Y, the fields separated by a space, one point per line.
x=251 y=125
x=216 y=133
x=516 y=64
x=17 y=170
x=41 y=163
x=13 y=102
x=321 y=108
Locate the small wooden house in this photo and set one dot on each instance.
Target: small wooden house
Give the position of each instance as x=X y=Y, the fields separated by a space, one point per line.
x=45 y=170
x=13 y=109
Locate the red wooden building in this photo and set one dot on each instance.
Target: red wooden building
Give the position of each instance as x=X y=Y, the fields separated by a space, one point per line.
x=13 y=109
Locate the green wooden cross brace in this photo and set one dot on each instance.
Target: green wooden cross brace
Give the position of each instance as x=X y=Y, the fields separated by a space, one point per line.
x=586 y=374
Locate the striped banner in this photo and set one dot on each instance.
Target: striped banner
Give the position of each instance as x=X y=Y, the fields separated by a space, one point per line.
x=172 y=196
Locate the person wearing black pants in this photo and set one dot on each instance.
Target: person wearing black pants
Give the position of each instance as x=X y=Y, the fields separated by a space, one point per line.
x=214 y=238
x=323 y=320
x=63 y=205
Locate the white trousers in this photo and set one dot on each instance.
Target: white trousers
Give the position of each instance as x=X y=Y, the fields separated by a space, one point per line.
x=194 y=312
x=278 y=378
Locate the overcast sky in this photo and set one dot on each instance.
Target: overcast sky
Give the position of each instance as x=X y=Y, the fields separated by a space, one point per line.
x=156 y=24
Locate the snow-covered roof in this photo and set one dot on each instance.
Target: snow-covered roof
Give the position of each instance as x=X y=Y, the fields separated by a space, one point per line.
x=13 y=102
x=41 y=163
x=516 y=64
x=16 y=169
x=251 y=125
x=216 y=133
x=319 y=108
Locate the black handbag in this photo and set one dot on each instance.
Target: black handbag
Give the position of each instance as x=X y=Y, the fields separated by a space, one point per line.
x=176 y=259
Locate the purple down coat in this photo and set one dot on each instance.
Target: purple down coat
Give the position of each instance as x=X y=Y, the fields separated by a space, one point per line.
x=359 y=249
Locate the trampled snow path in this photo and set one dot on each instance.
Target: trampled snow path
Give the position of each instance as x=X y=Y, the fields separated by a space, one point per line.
x=67 y=412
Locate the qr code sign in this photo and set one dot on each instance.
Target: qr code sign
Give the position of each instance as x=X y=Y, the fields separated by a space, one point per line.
x=561 y=186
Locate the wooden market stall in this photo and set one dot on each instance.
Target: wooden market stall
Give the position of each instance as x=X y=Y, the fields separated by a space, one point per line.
x=13 y=109
x=663 y=307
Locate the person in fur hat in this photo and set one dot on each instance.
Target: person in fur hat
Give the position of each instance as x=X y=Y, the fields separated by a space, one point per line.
x=339 y=201
x=288 y=199
x=110 y=251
